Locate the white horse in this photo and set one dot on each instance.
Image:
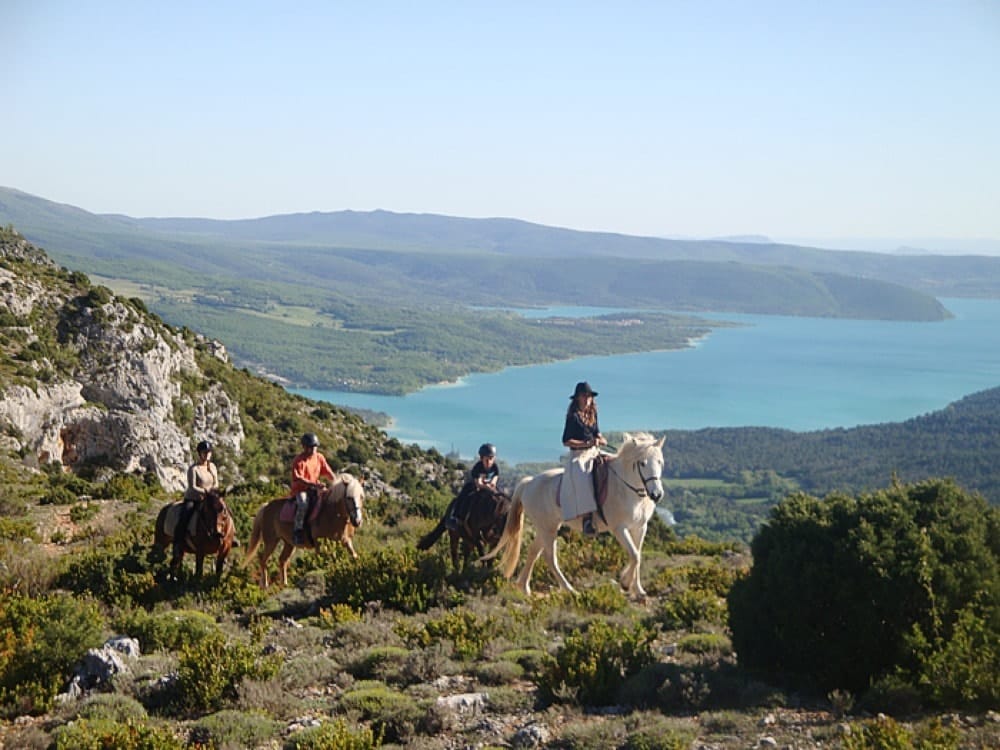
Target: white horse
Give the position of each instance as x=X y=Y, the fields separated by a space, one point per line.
x=634 y=487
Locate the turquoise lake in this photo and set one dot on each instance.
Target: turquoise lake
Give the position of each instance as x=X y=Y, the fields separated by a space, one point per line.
x=776 y=371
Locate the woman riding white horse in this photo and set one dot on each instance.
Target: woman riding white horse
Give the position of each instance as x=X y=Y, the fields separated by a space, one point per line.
x=634 y=487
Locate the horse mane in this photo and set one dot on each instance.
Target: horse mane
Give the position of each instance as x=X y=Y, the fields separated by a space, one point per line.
x=634 y=443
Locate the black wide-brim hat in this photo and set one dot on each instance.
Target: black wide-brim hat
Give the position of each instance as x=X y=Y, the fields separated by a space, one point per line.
x=584 y=387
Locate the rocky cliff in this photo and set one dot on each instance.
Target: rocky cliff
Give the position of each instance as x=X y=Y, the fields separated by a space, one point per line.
x=88 y=378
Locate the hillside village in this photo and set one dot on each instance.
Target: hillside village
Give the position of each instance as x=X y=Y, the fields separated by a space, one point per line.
x=102 y=406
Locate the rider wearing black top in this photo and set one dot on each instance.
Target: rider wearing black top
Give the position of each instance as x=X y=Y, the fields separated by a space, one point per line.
x=485 y=475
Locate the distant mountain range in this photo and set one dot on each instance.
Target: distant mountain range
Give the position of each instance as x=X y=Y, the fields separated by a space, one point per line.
x=67 y=231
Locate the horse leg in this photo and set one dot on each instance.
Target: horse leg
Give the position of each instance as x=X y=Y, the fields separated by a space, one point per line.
x=220 y=561
x=350 y=548
x=199 y=562
x=629 y=579
x=549 y=550
x=283 y=558
x=263 y=557
x=453 y=541
x=534 y=550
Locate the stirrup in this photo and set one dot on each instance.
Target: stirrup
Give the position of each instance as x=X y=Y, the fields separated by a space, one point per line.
x=588 y=527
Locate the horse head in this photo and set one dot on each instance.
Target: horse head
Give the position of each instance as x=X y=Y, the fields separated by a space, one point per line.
x=354 y=499
x=642 y=454
x=218 y=518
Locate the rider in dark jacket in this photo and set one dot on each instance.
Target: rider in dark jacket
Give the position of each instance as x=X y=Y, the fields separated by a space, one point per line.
x=485 y=474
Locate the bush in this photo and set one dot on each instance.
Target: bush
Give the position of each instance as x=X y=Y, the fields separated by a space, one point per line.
x=334 y=735
x=41 y=640
x=171 y=630
x=884 y=733
x=211 y=669
x=593 y=664
x=468 y=633
x=690 y=606
x=399 y=578
x=112 y=707
x=847 y=590
x=101 y=734
x=235 y=729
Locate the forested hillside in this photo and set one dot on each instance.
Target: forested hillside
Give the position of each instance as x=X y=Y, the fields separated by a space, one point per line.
x=726 y=479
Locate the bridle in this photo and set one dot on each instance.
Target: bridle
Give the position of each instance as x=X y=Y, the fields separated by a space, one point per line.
x=642 y=490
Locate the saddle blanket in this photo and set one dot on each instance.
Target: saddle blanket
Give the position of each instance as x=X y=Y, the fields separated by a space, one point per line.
x=599 y=474
x=287 y=512
x=174 y=515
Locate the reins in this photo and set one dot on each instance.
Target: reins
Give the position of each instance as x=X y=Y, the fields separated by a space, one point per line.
x=640 y=491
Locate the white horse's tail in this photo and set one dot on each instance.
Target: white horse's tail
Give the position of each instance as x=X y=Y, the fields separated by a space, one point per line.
x=510 y=540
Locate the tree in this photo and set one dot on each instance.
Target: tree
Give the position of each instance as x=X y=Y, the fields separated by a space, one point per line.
x=850 y=589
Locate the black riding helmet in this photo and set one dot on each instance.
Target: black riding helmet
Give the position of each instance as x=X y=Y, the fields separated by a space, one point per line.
x=309 y=440
x=487 y=449
x=204 y=446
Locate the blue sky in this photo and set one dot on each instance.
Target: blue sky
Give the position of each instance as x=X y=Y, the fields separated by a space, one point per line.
x=795 y=120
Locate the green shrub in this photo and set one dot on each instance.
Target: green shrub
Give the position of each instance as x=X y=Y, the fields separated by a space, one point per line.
x=211 y=669
x=498 y=672
x=17 y=529
x=170 y=630
x=334 y=735
x=685 y=608
x=376 y=662
x=395 y=716
x=111 y=707
x=530 y=659
x=468 y=633
x=885 y=733
x=705 y=644
x=399 y=578
x=839 y=587
x=41 y=640
x=82 y=512
x=594 y=663
x=231 y=728
x=102 y=734
x=963 y=670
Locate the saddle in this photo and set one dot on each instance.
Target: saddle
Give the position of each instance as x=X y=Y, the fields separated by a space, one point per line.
x=287 y=512
x=174 y=515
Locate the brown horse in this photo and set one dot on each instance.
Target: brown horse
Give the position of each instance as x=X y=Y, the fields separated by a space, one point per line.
x=339 y=513
x=480 y=530
x=214 y=532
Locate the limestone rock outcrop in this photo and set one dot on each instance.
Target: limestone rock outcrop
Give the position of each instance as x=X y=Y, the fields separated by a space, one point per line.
x=88 y=377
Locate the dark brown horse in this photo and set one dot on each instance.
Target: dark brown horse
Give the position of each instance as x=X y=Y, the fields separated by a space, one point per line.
x=479 y=531
x=341 y=506
x=213 y=534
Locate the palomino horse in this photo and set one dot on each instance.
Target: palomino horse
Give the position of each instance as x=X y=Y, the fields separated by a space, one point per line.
x=482 y=528
x=339 y=513
x=634 y=487
x=214 y=532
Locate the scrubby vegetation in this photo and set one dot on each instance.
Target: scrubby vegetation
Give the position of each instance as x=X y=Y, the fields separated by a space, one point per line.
x=394 y=650
x=365 y=654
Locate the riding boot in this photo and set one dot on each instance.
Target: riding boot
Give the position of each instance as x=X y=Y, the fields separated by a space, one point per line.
x=181 y=531
x=588 y=525
x=301 y=501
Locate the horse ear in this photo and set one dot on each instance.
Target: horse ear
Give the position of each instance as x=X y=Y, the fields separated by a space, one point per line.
x=626 y=437
x=661 y=441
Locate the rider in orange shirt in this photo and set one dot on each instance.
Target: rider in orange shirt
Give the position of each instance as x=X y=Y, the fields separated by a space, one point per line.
x=307 y=469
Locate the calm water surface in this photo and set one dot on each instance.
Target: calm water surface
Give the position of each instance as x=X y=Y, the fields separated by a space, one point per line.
x=777 y=371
